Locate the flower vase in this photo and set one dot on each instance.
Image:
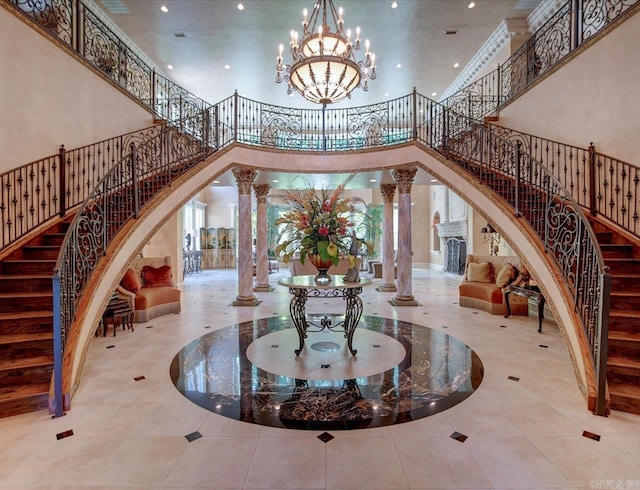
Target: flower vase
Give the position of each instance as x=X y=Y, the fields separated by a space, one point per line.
x=322 y=277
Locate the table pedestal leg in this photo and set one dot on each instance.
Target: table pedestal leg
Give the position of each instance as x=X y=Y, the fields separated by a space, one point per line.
x=352 y=317
x=299 y=315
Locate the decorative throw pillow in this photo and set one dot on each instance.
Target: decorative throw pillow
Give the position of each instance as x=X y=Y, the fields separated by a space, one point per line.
x=482 y=272
x=131 y=281
x=157 y=276
x=506 y=275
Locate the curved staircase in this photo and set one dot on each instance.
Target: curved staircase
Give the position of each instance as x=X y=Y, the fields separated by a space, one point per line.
x=26 y=322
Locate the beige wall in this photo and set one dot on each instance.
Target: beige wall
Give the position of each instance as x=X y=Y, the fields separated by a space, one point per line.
x=165 y=242
x=48 y=98
x=595 y=97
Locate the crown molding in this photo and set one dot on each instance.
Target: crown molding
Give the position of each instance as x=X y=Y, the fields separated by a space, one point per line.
x=543 y=12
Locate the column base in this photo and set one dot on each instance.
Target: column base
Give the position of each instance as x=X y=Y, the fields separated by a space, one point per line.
x=247 y=301
x=403 y=301
x=258 y=288
x=387 y=288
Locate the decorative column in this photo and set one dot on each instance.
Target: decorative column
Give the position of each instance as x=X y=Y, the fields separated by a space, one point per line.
x=404 y=296
x=262 y=260
x=244 y=179
x=388 y=283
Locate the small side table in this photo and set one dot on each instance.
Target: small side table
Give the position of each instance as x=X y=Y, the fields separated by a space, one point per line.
x=530 y=292
x=118 y=312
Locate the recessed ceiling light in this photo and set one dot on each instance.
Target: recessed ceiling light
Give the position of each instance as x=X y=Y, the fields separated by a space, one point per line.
x=456 y=64
x=216 y=181
x=399 y=65
x=471 y=5
x=433 y=94
x=240 y=6
x=394 y=5
x=386 y=94
x=275 y=181
x=433 y=180
x=373 y=180
x=227 y=67
x=164 y=8
x=170 y=67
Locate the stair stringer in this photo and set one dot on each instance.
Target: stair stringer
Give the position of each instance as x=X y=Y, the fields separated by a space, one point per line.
x=136 y=233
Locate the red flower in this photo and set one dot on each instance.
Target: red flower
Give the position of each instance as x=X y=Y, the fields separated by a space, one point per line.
x=324 y=231
x=326 y=206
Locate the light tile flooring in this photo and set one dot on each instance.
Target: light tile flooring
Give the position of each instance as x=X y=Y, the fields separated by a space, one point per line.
x=521 y=434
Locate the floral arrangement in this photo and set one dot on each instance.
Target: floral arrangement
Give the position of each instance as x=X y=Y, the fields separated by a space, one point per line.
x=317 y=226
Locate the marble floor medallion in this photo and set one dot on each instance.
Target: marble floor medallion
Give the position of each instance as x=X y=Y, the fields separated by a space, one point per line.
x=402 y=372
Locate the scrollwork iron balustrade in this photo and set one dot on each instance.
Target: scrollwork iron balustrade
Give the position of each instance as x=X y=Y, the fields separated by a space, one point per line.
x=34 y=193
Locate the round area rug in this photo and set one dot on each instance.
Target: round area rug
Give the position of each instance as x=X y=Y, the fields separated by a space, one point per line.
x=402 y=372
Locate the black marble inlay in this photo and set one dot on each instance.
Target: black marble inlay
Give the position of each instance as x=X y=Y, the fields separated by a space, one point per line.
x=459 y=437
x=62 y=435
x=503 y=326
x=151 y=326
x=193 y=436
x=544 y=346
x=110 y=346
x=139 y=378
x=591 y=435
x=437 y=372
x=513 y=378
x=325 y=437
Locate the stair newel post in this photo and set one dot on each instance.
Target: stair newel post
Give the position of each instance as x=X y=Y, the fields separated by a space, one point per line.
x=62 y=174
x=516 y=150
x=58 y=403
x=134 y=179
x=592 y=179
x=603 y=343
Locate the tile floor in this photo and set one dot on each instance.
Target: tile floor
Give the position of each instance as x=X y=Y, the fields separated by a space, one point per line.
x=525 y=433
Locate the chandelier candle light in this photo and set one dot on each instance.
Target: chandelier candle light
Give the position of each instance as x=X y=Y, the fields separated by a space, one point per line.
x=324 y=68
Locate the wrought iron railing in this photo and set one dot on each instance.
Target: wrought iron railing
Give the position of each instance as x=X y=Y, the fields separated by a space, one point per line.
x=39 y=191
x=605 y=186
x=575 y=24
x=514 y=174
x=80 y=29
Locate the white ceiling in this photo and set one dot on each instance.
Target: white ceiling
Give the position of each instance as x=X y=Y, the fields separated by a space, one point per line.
x=216 y=33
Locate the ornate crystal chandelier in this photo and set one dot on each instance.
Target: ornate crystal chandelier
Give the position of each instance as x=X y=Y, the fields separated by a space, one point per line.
x=324 y=68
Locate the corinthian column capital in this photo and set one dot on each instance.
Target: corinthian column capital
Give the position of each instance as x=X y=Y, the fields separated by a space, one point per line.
x=244 y=179
x=387 y=191
x=404 y=179
x=261 y=191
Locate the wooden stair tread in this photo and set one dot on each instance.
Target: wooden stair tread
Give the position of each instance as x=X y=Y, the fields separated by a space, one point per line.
x=30 y=276
x=625 y=313
x=27 y=294
x=622 y=335
x=626 y=362
x=624 y=389
x=13 y=338
x=26 y=314
x=632 y=294
x=7 y=364
x=24 y=391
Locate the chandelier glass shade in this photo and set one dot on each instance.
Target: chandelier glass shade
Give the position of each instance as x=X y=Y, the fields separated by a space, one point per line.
x=324 y=68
